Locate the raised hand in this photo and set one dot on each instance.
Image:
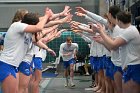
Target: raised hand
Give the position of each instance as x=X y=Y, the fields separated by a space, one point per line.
x=75 y=23
x=79 y=14
x=58 y=34
x=67 y=19
x=98 y=39
x=48 y=12
x=51 y=12
x=93 y=26
x=81 y=10
x=100 y=28
x=66 y=11
x=73 y=27
x=51 y=52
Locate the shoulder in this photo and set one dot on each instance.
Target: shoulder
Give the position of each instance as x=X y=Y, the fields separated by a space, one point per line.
x=19 y=26
x=75 y=44
x=63 y=44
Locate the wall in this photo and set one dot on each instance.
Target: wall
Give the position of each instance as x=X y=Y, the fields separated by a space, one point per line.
x=7 y=10
x=103 y=7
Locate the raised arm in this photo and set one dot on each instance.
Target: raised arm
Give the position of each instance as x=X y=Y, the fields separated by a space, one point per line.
x=60 y=21
x=40 y=25
x=94 y=16
x=65 y=12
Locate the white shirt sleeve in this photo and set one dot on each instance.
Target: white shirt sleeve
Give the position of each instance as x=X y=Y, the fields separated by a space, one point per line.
x=21 y=26
x=76 y=46
x=87 y=39
x=127 y=36
x=90 y=19
x=61 y=49
x=97 y=18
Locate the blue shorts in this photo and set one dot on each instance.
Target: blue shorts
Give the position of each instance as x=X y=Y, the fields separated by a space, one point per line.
x=109 y=68
x=132 y=72
x=37 y=61
x=6 y=70
x=101 y=61
x=24 y=68
x=117 y=68
x=94 y=61
x=16 y=69
x=67 y=63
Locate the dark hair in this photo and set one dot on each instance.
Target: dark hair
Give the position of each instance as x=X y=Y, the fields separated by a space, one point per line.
x=114 y=10
x=124 y=17
x=30 y=18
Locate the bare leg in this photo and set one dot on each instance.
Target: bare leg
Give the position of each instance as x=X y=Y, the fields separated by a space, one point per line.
x=71 y=74
x=102 y=90
x=118 y=81
x=114 y=86
x=99 y=85
x=9 y=85
x=23 y=83
x=96 y=79
x=32 y=79
x=131 y=87
x=38 y=77
x=109 y=85
x=17 y=77
x=86 y=69
x=66 y=73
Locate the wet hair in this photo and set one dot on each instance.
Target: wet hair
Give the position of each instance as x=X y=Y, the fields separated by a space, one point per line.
x=30 y=18
x=68 y=39
x=19 y=15
x=124 y=17
x=114 y=10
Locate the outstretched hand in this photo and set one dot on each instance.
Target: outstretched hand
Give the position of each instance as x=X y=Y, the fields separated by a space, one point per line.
x=81 y=10
x=51 y=52
x=79 y=14
x=66 y=11
x=100 y=28
x=98 y=39
x=48 y=12
x=67 y=19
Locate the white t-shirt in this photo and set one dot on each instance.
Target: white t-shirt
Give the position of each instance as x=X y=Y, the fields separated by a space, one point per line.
x=130 y=52
x=39 y=52
x=97 y=18
x=16 y=44
x=66 y=49
x=29 y=55
x=44 y=54
x=105 y=50
x=115 y=54
x=96 y=49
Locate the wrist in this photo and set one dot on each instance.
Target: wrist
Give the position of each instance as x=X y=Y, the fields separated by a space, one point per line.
x=47 y=49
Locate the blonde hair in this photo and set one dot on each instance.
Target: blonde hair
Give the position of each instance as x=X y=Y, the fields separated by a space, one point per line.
x=19 y=15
